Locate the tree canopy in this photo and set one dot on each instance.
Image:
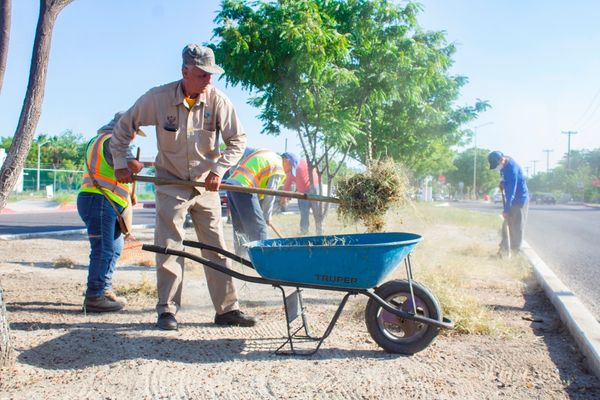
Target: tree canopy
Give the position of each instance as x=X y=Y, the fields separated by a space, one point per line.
x=354 y=78
x=486 y=180
x=63 y=151
x=579 y=180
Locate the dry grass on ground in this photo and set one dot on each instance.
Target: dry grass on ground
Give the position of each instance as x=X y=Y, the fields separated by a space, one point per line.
x=447 y=261
x=500 y=315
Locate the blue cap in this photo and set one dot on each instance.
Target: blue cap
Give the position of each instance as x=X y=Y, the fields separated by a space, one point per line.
x=494 y=158
x=294 y=160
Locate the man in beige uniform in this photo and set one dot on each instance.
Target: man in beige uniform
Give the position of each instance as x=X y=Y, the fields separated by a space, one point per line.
x=190 y=115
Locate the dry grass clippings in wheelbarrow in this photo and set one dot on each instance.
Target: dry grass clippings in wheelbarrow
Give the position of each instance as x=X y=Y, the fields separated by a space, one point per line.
x=367 y=196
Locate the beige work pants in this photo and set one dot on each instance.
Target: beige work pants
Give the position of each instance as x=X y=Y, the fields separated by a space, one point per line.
x=172 y=205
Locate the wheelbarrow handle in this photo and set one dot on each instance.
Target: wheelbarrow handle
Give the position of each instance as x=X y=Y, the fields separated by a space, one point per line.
x=236 y=188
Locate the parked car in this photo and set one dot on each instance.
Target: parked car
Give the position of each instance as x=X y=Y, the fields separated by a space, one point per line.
x=544 y=198
x=498 y=198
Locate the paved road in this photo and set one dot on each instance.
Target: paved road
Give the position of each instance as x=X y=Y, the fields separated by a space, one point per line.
x=566 y=237
x=55 y=221
x=20 y=223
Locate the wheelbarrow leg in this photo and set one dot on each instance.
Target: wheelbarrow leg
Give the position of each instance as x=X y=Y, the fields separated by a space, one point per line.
x=294 y=307
x=303 y=315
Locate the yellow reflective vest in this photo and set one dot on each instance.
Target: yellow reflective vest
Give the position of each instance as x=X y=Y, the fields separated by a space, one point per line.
x=103 y=173
x=256 y=169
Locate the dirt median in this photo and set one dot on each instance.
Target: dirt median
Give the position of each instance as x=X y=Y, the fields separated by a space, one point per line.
x=63 y=353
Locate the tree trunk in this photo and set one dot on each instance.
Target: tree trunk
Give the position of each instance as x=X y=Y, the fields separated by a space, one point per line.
x=32 y=105
x=6 y=352
x=4 y=36
x=30 y=115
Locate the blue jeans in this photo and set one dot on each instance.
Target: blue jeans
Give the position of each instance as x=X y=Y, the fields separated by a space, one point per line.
x=246 y=217
x=105 y=237
x=305 y=206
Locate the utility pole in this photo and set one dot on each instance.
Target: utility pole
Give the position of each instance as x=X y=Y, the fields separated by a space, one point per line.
x=534 y=162
x=569 y=133
x=548 y=151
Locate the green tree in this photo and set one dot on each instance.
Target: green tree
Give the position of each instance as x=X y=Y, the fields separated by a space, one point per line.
x=351 y=78
x=67 y=147
x=57 y=151
x=30 y=113
x=34 y=96
x=486 y=180
x=402 y=94
x=70 y=177
x=5 y=13
x=575 y=182
x=288 y=53
x=6 y=142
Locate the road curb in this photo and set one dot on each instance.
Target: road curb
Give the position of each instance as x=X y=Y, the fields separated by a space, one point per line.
x=58 y=233
x=582 y=325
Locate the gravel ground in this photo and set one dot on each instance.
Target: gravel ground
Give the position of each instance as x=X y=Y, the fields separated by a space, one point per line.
x=63 y=353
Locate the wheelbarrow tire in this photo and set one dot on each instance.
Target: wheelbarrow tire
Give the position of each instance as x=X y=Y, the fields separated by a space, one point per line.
x=398 y=335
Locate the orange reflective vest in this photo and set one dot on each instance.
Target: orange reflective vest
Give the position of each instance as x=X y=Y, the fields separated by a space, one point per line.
x=103 y=173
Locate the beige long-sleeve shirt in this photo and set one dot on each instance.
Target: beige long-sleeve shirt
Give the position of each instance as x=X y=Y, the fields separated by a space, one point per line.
x=188 y=139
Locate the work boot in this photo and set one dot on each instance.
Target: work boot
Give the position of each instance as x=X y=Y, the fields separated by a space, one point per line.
x=235 y=318
x=100 y=304
x=109 y=294
x=503 y=254
x=167 y=322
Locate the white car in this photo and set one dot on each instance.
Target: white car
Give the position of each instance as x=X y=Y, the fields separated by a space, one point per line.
x=498 y=198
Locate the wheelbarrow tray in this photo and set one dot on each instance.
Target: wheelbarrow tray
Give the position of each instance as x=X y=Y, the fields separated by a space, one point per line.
x=358 y=261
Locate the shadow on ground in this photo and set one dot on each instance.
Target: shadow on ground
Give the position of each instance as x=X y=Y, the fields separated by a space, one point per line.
x=91 y=344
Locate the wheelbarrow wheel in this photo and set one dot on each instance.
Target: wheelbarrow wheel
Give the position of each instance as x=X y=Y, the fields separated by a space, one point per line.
x=399 y=335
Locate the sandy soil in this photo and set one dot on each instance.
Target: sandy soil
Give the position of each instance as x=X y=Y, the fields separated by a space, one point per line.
x=63 y=353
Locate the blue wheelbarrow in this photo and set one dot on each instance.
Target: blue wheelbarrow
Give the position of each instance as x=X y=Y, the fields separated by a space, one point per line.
x=402 y=315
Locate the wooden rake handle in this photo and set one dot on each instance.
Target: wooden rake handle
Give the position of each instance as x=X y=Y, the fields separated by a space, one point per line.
x=236 y=188
x=133 y=194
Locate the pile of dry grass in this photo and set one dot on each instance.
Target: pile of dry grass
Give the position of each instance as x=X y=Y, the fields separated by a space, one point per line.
x=367 y=196
x=144 y=288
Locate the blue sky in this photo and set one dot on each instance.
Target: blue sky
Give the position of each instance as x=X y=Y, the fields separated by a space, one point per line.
x=536 y=62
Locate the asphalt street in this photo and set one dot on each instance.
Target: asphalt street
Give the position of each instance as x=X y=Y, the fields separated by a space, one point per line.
x=43 y=220
x=39 y=222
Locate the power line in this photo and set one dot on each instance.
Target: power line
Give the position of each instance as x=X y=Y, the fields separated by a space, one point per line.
x=585 y=117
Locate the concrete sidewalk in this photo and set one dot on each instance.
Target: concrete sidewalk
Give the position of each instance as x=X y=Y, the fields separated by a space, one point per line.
x=35 y=206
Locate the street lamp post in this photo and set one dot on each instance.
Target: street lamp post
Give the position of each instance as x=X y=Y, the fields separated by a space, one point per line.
x=548 y=151
x=39 y=145
x=534 y=162
x=475 y=157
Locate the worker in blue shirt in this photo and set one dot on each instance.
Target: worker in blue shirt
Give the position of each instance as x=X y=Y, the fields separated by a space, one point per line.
x=516 y=201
